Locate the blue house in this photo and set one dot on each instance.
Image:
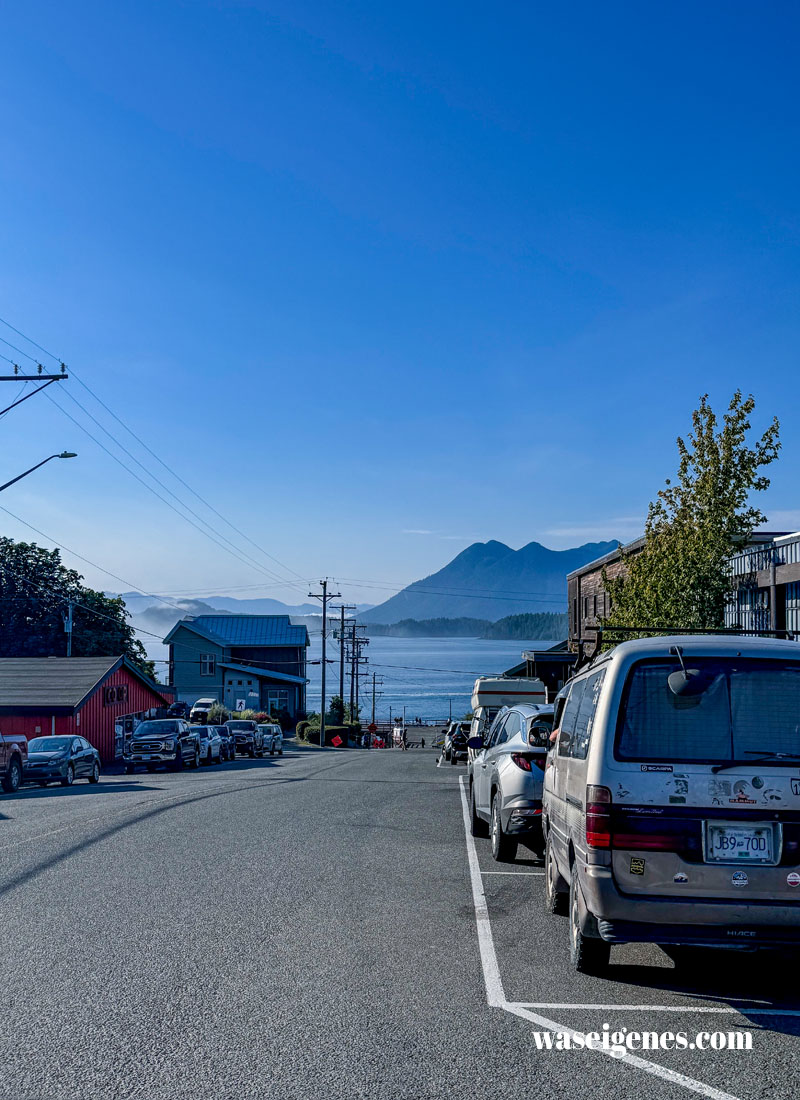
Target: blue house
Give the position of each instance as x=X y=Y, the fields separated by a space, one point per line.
x=245 y=662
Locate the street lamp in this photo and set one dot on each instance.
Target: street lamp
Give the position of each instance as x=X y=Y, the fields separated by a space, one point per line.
x=19 y=477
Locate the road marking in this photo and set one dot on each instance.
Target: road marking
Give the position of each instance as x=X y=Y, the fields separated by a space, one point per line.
x=515 y=874
x=496 y=997
x=725 y=1010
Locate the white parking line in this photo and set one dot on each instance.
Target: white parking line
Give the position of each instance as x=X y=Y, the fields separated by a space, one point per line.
x=496 y=997
x=514 y=874
x=725 y=1010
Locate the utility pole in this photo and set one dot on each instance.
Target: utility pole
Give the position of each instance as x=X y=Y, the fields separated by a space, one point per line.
x=375 y=683
x=342 y=646
x=68 y=627
x=324 y=596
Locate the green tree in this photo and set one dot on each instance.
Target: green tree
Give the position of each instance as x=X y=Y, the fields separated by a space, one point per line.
x=680 y=578
x=336 y=711
x=35 y=592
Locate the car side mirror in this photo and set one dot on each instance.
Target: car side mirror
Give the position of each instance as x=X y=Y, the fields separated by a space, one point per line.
x=475 y=743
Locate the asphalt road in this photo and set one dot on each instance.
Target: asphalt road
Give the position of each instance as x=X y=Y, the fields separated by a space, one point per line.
x=306 y=927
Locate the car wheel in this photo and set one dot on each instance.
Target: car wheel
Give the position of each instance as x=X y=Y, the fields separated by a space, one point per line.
x=177 y=763
x=453 y=758
x=280 y=752
x=587 y=955
x=69 y=778
x=272 y=751
x=504 y=849
x=95 y=776
x=13 y=777
x=555 y=900
x=446 y=754
x=196 y=762
x=478 y=827
x=252 y=754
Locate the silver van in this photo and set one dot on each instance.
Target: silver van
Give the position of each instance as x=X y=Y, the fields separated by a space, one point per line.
x=671 y=804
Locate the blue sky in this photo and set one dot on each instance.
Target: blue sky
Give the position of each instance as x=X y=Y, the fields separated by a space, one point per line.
x=379 y=280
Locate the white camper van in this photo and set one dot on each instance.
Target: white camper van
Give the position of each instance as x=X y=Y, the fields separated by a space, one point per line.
x=490 y=693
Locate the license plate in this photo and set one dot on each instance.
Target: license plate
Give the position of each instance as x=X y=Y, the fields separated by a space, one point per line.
x=739 y=843
x=145 y=756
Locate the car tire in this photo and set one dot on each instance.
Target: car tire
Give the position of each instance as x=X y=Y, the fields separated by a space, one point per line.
x=252 y=754
x=69 y=778
x=478 y=827
x=280 y=752
x=196 y=761
x=587 y=954
x=446 y=754
x=272 y=751
x=13 y=777
x=177 y=763
x=504 y=849
x=556 y=901
x=453 y=758
x=95 y=776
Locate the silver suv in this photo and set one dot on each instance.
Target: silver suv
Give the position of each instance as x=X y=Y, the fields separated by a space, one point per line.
x=506 y=774
x=672 y=797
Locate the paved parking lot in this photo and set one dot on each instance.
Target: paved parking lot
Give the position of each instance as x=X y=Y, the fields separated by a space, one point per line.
x=306 y=927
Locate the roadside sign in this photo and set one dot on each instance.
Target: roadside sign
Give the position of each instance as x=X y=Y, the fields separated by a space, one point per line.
x=336 y=740
x=240 y=704
x=372 y=727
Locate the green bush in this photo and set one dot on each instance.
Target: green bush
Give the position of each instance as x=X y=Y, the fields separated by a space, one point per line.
x=300 y=731
x=217 y=715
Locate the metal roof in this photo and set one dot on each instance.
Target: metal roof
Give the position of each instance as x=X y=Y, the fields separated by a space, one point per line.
x=264 y=673
x=244 y=630
x=56 y=682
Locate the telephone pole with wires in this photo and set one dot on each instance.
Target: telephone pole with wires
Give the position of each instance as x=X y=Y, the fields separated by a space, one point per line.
x=342 y=645
x=324 y=596
x=375 y=683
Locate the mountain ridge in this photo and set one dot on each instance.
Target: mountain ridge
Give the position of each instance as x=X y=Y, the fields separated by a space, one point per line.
x=489 y=580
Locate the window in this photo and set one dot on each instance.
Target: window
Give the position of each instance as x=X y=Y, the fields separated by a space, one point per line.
x=741 y=708
x=495 y=731
x=277 y=699
x=208 y=664
x=595 y=606
x=511 y=726
x=582 y=733
x=585 y=606
x=569 y=716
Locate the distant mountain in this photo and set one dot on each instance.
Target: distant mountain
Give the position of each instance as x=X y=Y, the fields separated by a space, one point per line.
x=525 y=627
x=489 y=580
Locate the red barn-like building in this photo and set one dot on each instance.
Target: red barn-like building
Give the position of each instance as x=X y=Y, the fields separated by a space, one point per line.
x=94 y=697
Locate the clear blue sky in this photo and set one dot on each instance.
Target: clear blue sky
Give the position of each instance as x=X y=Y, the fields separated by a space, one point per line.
x=379 y=280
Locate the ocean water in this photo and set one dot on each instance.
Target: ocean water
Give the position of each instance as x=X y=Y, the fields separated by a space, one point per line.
x=431 y=677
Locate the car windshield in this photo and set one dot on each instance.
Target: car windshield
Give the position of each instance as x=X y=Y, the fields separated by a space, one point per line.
x=49 y=744
x=160 y=727
x=737 y=708
x=242 y=727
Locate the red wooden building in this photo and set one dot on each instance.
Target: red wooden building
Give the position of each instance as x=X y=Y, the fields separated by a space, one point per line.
x=94 y=697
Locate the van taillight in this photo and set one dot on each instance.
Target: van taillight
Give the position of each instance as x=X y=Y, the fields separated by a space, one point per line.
x=598 y=816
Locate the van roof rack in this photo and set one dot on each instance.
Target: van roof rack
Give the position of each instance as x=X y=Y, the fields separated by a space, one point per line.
x=601 y=633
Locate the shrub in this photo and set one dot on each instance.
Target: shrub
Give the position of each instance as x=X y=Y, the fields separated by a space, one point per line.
x=217 y=715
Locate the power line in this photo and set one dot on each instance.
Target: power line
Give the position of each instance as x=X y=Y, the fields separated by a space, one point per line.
x=151 y=452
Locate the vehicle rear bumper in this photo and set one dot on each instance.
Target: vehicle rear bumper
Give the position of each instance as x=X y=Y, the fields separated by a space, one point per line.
x=625 y=919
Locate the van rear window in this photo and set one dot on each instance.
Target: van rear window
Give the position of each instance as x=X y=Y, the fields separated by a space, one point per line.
x=735 y=710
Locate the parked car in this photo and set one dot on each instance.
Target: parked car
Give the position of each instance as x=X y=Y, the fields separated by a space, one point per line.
x=456 y=736
x=210 y=744
x=61 y=759
x=228 y=739
x=248 y=738
x=672 y=797
x=506 y=776
x=272 y=738
x=200 y=710
x=178 y=710
x=170 y=741
x=13 y=754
